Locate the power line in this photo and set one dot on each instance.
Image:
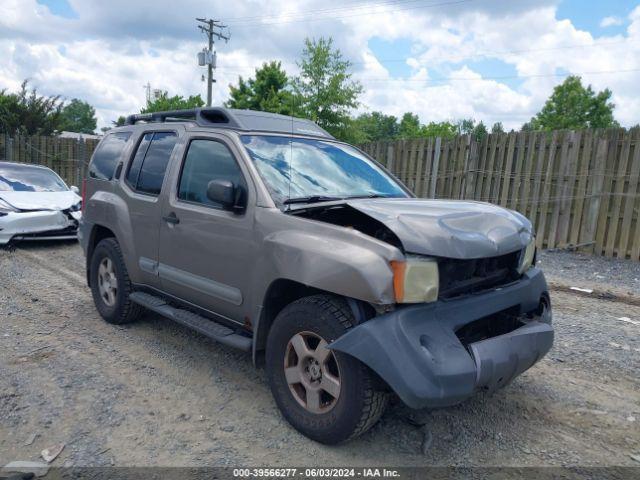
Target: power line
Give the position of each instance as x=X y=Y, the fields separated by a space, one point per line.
x=492 y=53
x=321 y=18
x=311 y=13
x=498 y=77
x=474 y=79
x=453 y=58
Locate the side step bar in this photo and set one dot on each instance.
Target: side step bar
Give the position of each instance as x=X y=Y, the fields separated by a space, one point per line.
x=193 y=321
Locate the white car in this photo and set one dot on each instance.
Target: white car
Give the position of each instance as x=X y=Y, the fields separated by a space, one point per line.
x=36 y=204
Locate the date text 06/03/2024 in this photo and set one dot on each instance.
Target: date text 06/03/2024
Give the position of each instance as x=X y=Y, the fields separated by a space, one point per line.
x=316 y=472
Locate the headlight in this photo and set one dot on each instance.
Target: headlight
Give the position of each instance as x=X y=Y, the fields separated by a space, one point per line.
x=527 y=256
x=6 y=208
x=415 y=280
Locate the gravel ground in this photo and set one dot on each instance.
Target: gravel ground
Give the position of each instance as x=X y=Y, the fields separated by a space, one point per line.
x=591 y=272
x=156 y=394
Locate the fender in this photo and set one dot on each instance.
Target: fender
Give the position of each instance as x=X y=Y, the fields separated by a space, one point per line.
x=335 y=266
x=321 y=256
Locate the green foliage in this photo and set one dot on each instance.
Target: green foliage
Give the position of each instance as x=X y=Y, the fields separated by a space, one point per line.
x=572 y=106
x=267 y=92
x=497 y=128
x=324 y=90
x=78 y=116
x=164 y=102
x=29 y=113
x=466 y=126
x=479 y=131
x=409 y=126
x=376 y=126
x=371 y=127
x=439 y=129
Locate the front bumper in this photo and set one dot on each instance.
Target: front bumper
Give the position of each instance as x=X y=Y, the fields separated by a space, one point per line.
x=38 y=225
x=417 y=352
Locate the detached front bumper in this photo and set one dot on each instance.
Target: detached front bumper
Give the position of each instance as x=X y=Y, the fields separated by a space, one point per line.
x=38 y=225
x=423 y=355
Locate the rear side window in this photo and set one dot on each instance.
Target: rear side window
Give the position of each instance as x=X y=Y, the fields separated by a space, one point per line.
x=136 y=163
x=207 y=160
x=149 y=164
x=106 y=157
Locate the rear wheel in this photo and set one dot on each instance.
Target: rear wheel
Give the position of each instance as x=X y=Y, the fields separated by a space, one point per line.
x=110 y=284
x=328 y=396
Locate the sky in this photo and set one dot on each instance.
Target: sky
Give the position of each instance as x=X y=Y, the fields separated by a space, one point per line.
x=491 y=60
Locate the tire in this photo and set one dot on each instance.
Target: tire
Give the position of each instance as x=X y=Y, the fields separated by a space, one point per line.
x=358 y=405
x=117 y=308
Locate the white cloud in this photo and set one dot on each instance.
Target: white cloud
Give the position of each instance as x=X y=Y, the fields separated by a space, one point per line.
x=106 y=56
x=611 y=21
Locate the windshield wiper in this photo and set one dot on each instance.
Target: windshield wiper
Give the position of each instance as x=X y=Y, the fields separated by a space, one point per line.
x=370 y=195
x=311 y=199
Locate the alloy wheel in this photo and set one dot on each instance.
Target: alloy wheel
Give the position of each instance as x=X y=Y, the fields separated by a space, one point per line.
x=107 y=282
x=312 y=372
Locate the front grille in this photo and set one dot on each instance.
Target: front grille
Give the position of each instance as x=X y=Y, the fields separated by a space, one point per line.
x=461 y=277
x=491 y=326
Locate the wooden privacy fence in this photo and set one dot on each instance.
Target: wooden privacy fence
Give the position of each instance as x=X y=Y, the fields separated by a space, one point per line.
x=68 y=157
x=579 y=188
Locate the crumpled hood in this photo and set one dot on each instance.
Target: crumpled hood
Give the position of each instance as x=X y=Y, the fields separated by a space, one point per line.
x=450 y=228
x=41 y=200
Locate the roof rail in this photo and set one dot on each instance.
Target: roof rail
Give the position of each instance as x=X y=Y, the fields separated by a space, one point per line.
x=247 y=120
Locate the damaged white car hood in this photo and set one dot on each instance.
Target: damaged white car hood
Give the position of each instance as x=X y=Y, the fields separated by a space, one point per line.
x=449 y=228
x=41 y=200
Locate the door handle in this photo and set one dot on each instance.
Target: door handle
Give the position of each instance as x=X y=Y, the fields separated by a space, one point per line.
x=171 y=218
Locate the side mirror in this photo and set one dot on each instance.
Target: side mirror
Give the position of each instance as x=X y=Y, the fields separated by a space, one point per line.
x=222 y=192
x=74 y=189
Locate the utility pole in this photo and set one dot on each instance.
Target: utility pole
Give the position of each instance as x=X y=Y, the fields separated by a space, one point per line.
x=211 y=28
x=147 y=87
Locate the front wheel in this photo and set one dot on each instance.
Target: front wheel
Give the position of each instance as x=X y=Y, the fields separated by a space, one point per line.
x=328 y=396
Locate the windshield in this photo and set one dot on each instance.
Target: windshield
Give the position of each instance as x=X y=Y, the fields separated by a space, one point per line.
x=25 y=178
x=303 y=170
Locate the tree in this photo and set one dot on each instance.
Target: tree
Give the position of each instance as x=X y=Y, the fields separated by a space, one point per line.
x=466 y=126
x=120 y=121
x=409 y=126
x=439 y=129
x=164 y=103
x=497 y=128
x=29 y=113
x=267 y=92
x=377 y=126
x=572 y=106
x=479 y=131
x=324 y=90
x=78 y=116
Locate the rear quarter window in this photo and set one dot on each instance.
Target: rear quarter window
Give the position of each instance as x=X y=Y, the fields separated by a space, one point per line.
x=149 y=164
x=105 y=158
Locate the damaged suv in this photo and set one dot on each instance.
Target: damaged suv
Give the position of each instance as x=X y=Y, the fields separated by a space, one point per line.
x=265 y=233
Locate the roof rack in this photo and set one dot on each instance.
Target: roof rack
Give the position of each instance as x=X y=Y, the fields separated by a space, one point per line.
x=248 y=120
x=202 y=116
